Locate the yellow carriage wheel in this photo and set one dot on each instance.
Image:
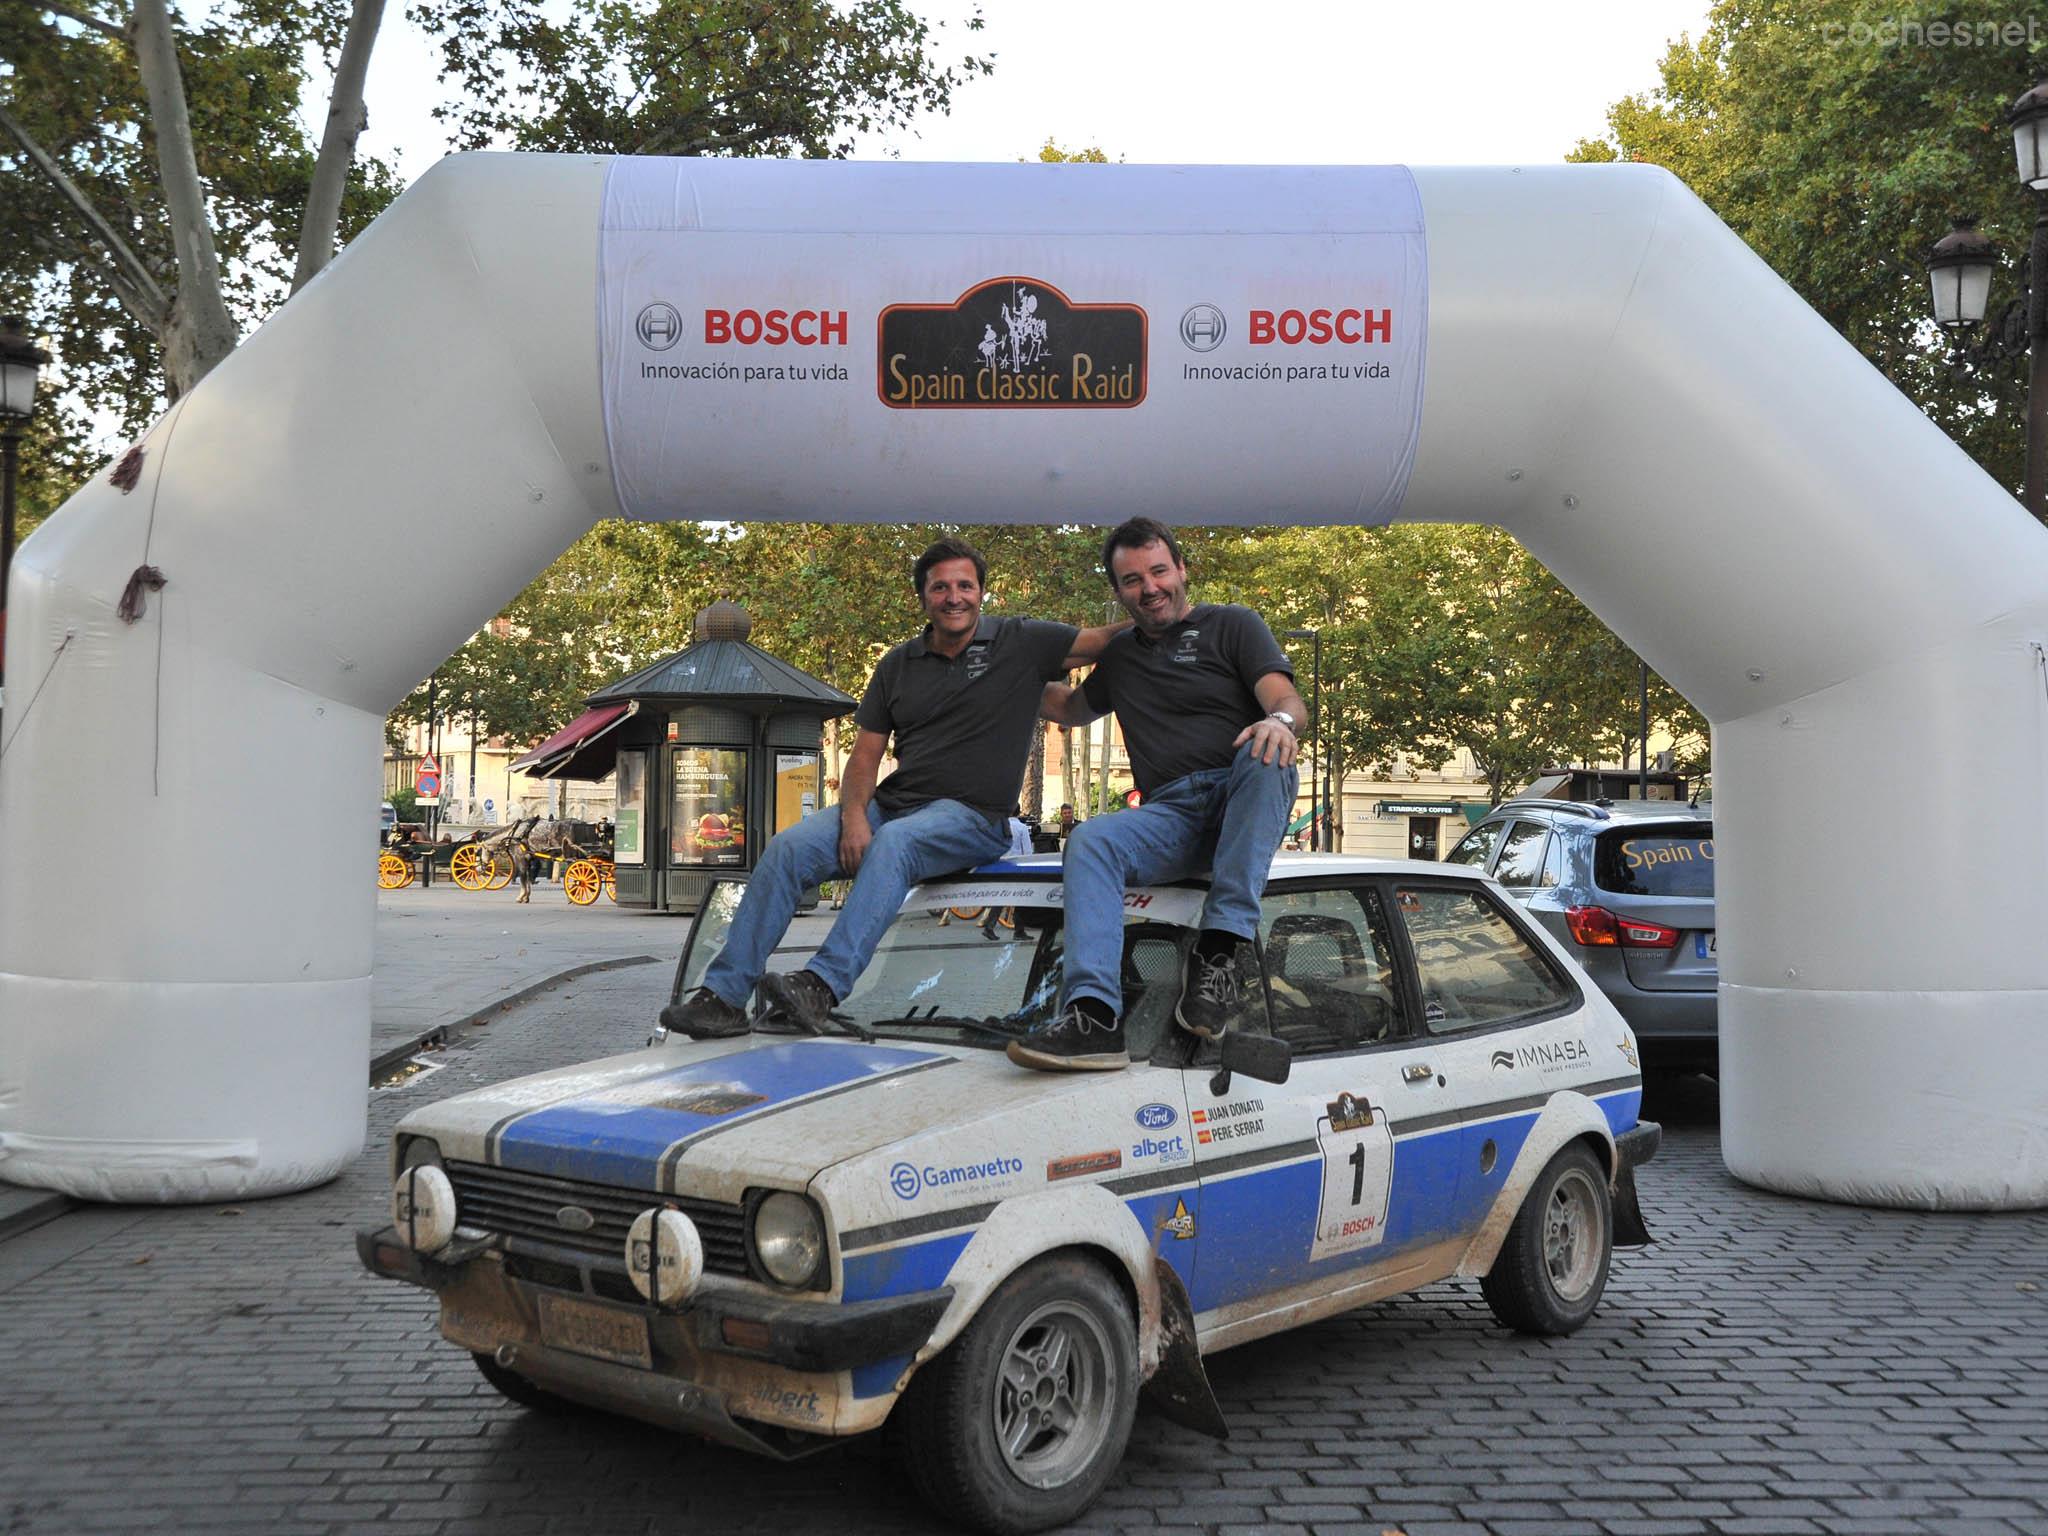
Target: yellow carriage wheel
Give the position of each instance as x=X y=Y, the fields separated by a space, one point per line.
x=466 y=868
x=393 y=873
x=582 y=882
x=611 y=878
x=498 y=871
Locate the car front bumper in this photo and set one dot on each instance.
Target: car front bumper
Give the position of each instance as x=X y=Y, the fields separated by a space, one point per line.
x=725 y=1355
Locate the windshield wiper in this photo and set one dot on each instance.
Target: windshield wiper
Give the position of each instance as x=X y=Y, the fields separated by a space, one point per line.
x=1001 y=1029
x=779 y=1024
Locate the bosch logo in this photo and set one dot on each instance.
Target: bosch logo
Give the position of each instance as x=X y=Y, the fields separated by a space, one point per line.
x=1320 y=327
x=778 y=327
x=659 y=326
x=1203 y=328
x=904 y=1180
x=1156 y=1117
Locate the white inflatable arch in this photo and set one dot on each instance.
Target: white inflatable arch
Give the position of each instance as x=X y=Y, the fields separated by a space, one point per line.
x=521 y=345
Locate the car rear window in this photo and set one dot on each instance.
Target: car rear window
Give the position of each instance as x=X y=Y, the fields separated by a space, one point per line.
x=1668 y=862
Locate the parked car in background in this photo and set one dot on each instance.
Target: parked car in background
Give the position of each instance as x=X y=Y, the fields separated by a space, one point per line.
x=1629 y=886
x=779 y=1240
x=386 y=825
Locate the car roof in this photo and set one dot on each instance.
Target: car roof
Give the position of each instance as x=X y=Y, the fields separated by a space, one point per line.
x=1613 y=810
x=1286 y=865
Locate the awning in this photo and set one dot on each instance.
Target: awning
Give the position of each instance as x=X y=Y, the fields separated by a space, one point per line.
x=555 y=754
x=1301 y=821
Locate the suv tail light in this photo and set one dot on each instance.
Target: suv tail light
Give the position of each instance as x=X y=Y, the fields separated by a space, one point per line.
x=1594 y=926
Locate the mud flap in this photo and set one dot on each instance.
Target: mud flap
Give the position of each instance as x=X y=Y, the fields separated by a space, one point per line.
x=1629 y=1228
x=1179 y=1390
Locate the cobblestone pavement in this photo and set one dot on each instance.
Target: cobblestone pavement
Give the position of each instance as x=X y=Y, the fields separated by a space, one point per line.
x=1770 y=1366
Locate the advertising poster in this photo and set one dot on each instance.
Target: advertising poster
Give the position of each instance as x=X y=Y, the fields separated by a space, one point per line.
x=631 y=787
x=796 y=787
x=708 y=807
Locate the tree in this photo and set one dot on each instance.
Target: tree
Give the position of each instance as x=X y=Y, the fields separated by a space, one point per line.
x=1839 y=137
x=687 y=77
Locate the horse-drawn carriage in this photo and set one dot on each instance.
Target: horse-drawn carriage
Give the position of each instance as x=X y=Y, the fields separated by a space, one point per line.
x=492 y=861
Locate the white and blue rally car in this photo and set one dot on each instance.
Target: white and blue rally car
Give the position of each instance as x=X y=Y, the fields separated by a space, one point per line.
x=778 y=1241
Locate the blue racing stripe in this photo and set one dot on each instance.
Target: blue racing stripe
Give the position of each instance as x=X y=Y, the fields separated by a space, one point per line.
x=894 y=1272
x=617 y=1136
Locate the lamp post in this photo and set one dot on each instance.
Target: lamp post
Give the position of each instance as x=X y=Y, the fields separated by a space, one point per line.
x=21 y=360
x=1315 y=715
x=1959 y=268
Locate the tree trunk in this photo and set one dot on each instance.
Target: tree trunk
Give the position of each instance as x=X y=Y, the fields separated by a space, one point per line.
x=1084 y=801
x=1034 y=775
x=198 y=332
x=346 y=119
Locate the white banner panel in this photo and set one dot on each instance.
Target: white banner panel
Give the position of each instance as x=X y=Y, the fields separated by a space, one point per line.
x=1045 y=344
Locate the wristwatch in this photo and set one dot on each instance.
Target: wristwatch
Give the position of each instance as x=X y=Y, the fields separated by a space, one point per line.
x=1285 y=719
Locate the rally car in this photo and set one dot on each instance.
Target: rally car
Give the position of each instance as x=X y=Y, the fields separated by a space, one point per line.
x=782 y=1240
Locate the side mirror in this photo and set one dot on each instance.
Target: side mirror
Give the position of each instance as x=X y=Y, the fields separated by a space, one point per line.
x=1258 y=1056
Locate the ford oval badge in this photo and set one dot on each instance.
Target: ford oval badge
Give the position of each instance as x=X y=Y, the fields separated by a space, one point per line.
x=574 y=1218
x=1156 y=1117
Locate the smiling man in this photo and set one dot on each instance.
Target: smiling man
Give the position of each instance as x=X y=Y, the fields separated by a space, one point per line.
x=961 y=700
x=1205 y=699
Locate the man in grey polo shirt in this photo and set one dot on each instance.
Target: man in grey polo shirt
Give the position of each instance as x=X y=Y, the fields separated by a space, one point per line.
x=1205 y=699
x=962 y=700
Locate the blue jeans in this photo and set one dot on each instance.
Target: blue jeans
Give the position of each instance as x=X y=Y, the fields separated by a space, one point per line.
x=1226 y=820
x=934 y=839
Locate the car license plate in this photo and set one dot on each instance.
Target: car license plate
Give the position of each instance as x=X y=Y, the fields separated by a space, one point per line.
x=1703 y=945
x=604 y=1333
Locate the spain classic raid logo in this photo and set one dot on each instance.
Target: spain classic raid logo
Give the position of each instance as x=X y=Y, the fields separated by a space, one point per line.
x=1011 y=342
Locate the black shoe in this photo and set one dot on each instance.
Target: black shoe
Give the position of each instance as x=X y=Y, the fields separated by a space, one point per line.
x=704 y=1015
x=1212 y=994
x=799 y=998
x=1076 y=1041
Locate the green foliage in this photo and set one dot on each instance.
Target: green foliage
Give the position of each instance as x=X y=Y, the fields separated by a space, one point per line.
x=1839 y=141
x=76 y=90
x=687 y=77
x=1050 y=153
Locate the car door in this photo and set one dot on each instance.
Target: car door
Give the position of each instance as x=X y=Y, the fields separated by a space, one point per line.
x=1501 y=1028
x=1351 y=1164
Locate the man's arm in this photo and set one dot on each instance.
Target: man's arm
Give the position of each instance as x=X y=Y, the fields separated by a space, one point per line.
x=856 y=789
x=1064 y=704
x=1271 y=740
x=1088 y=646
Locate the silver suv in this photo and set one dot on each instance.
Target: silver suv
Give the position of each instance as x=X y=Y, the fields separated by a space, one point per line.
x=1629 y=885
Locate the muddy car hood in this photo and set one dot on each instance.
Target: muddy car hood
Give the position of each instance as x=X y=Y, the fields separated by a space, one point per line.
x=712 y=1118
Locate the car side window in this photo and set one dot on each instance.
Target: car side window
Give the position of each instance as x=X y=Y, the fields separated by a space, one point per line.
x=1553 y=863
x=1474 y=966
x=1475 y=845
x=1521 y=854
x=1330 y=969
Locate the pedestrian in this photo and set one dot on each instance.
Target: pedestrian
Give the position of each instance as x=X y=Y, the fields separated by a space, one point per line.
x=961 y=701
x=1206 y=702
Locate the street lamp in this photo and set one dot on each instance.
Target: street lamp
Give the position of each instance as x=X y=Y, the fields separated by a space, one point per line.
x=1959 y=268
x=21 y=360
x=1315 y=714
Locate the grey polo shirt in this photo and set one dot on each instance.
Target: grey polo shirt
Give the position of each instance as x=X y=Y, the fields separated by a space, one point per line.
x=1181 y=699
x=963 y=723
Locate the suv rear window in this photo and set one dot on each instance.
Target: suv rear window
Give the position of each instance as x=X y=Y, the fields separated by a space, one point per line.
x=1655 y=863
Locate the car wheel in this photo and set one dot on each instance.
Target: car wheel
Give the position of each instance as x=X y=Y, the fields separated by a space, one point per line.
x=1020 y=1422
x=1553 y=1266
x=517 y=1387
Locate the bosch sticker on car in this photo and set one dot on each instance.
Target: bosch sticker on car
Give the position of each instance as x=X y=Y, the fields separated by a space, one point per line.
x=1358 y=1165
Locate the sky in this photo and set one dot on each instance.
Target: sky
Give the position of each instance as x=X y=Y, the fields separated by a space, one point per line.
x=1330 y=81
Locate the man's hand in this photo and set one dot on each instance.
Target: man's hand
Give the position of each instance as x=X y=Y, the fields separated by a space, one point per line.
x=1271 y=741
x=854 y=836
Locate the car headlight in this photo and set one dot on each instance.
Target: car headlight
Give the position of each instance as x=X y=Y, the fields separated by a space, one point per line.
x=789 y=1239
x=664 y=1256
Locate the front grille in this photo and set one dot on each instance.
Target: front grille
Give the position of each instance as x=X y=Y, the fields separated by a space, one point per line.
x=523 y=1205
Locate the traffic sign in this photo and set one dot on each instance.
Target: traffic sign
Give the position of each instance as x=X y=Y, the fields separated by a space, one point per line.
x=426 y=778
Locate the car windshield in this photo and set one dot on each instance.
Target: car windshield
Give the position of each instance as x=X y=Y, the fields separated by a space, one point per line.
x=980 y=961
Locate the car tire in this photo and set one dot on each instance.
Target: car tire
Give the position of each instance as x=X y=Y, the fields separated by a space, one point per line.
x=1553 y=1266
x=1020 y=1422
x=518 y=1388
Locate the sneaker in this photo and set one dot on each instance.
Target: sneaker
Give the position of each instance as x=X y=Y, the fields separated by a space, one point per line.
x=1076 y=1041
x=1212 y=995
x=799 y=998
x=704 y=1015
